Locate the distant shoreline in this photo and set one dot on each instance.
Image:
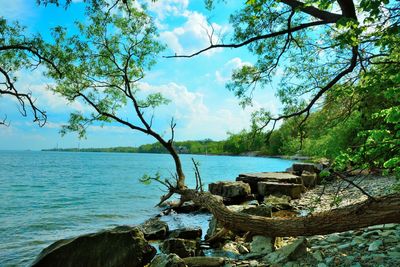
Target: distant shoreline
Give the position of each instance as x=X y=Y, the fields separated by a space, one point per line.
x=135 y=150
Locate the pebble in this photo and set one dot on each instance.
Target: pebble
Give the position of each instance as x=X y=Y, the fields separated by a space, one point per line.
x=344 y=246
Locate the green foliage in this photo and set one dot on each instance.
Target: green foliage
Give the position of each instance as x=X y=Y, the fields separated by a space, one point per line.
x=103 y=63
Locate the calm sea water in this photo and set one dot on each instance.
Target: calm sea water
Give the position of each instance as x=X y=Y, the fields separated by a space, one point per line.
x=46 y=196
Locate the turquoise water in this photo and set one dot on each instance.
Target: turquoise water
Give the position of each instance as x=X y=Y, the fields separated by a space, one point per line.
x=46 y=196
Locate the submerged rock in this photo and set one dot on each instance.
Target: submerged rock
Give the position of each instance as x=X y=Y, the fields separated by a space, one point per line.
x=154 y=229
x=121 y=246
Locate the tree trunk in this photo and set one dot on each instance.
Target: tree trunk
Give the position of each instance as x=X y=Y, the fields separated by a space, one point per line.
x=370 y=212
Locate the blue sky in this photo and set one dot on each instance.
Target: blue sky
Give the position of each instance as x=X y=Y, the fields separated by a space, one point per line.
x=200 y=103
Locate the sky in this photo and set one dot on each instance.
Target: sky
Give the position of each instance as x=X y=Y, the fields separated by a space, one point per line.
x=200 y=104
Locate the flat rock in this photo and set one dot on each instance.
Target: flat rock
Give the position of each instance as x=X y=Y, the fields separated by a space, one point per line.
x=230 y=189
x=280 y=177
x=261 y=245
x=121 y=246
x=260 y=210
x=309 y=179
x=274 y=188
x=278 y=203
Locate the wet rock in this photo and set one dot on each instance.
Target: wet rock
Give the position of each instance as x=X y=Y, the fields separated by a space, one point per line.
x=274 y=188
x=154 y=229
x=121 y=246
x=279 y=177
x=290 y=252
x=186 y=233
x=181 y=247
x=230 y=189
x=204 y=261
x=170 y=260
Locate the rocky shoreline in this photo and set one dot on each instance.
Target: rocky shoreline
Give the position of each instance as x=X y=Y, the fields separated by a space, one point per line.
x=298 y=192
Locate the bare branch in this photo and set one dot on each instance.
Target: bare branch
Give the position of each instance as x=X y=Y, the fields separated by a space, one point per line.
x=253 y=39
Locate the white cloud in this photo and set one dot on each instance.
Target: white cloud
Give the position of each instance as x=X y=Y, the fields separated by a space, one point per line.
x=195 y=34
x=223 y=75
x=195 y=118
x=165 y=8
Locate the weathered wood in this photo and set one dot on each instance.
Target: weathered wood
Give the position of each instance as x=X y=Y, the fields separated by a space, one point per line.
x=370 y=212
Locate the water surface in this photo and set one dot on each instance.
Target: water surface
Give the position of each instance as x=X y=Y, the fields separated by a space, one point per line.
x=46 y=196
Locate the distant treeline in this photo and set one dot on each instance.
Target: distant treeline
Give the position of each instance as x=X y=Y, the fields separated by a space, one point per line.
x=206 y=146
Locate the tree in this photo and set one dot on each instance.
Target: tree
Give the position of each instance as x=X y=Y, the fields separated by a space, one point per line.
x=19 y=52
x=102 y=67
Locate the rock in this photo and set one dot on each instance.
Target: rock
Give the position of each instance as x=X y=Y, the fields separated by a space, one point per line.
x=154 y=229
x=214 y=227
x=280 y=177
x=230 y=189
x=231 y=247
x=274 y=188
x=318 y=256
x=170 y=260
x=298 y=168
x=261 y=210
x=261 y=245
x=344 y=246
x=334 y=238
x=278 y=203
x=204 y=261
x=290 y=252
x=321 y=264
x=181 y=247
x=187 y=207
x=309 y=179
x=186 y=233
x=374 y=246
x=242 y=249
x=121 y=246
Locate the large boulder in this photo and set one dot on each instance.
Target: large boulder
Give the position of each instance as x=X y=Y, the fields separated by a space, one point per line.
x=279 y=177
x=121 y=246
x=273 y=188
x=154 y=229
x=170 y=260
x=181 y=247
x=186 y=233
x=230 y=189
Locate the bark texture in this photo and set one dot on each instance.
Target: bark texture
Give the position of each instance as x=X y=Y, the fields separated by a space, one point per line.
x=370 y=212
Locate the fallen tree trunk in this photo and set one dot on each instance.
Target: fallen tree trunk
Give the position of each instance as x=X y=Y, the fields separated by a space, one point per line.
x=370 y=212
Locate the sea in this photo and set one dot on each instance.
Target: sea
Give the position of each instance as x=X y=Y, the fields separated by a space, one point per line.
x=46 y=196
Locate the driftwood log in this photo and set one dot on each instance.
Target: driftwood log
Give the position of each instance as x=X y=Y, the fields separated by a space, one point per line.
x=370 y=212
